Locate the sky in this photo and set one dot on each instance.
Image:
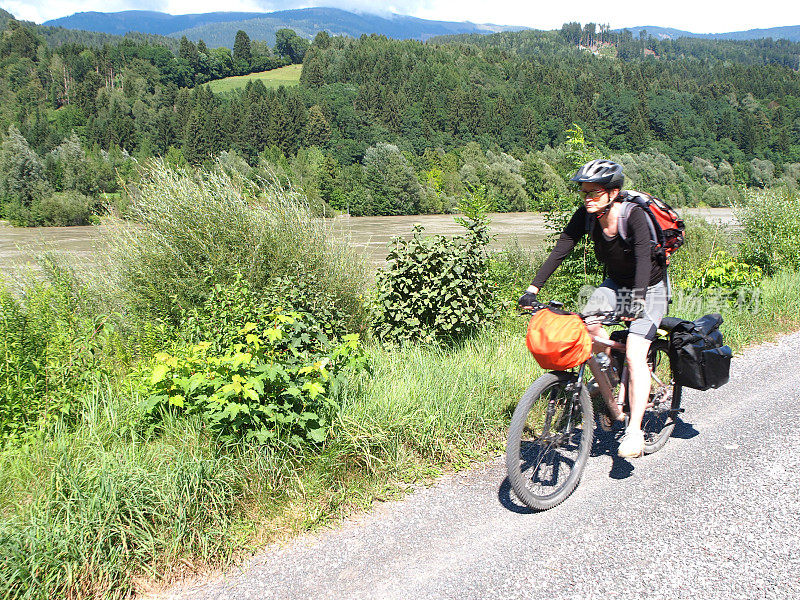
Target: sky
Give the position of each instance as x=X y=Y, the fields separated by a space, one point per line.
x=709 y=16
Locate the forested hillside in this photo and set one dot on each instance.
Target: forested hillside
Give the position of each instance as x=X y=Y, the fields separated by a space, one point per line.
x=382 y=126
x=58 y=36
x=626 y=46
x=790 y=32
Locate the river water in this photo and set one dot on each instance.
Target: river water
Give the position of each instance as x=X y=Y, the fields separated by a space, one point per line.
x=20 y=246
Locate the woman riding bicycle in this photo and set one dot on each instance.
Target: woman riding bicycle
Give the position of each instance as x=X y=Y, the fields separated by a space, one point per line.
x=634 y=288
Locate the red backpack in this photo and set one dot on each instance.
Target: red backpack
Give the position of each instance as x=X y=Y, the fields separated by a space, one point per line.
x=666 y=226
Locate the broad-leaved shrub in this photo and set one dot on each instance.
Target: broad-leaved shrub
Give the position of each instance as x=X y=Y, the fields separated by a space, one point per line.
x=54 y=347
x=272 y=387
x=437 y=287
x=724 y=276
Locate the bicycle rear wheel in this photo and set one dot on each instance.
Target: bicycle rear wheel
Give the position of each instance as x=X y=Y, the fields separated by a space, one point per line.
x=665 y=398
x=549 y=440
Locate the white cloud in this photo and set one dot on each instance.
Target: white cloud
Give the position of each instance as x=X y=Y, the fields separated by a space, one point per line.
x=699 y=17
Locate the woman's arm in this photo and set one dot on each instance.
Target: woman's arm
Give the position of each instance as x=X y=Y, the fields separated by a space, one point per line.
x=642 y=245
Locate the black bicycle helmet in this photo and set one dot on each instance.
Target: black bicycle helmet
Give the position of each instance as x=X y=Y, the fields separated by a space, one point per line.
x=605 y=172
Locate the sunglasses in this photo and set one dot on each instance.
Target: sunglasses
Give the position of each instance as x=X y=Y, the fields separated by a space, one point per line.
x=592 y=195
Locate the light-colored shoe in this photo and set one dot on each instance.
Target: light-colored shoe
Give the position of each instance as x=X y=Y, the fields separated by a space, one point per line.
x=632 y=444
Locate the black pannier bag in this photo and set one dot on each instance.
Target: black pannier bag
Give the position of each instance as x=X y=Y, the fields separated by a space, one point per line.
x=697 y=354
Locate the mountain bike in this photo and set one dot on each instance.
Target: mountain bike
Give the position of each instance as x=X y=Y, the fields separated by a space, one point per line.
x=551 y=431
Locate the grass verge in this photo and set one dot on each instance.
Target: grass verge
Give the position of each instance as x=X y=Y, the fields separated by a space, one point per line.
x=106 y=505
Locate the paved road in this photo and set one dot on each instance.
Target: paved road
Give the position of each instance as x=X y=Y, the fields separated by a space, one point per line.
x=715 y=514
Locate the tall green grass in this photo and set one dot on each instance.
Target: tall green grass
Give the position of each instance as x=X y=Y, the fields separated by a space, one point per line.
x=775 y=309
x=85 y=510
x=190 y=230
x=438 y=404
x=88 y=510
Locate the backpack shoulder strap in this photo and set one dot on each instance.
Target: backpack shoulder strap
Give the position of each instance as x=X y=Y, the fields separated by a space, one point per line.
x=623 y=218
x=630 y=199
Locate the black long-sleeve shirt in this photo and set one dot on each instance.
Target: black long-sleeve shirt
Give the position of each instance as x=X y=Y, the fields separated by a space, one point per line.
x=630 y=264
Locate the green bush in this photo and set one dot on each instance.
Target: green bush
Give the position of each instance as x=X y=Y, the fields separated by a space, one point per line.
x=22 y=377
x=771 y=230
x=724 y=279
x=193 y=230
x=701 y=241
x=437 y=287
x=61 y=209
x=723 y=272
x=271 y=388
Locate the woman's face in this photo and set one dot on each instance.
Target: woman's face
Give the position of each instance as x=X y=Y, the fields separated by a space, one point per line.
x=595 y=197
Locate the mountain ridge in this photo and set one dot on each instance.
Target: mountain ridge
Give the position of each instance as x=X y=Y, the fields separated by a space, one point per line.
x=219 y=28
x=785 y=32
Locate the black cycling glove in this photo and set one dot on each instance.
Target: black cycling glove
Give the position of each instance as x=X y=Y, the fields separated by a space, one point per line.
x=634 y=310
x=528 y=300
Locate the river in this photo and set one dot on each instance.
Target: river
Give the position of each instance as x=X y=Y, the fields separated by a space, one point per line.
x=19 y=246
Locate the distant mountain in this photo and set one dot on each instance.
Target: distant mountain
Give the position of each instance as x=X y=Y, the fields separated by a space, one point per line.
x=144 y=21
x=791 y=33
x=59 y=36
x=219 y=28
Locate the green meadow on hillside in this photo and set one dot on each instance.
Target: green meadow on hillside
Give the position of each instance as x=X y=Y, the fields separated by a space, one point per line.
x=284 y=76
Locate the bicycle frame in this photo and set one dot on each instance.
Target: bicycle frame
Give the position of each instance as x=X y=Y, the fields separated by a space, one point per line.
x=600 y=376
x=603 y=382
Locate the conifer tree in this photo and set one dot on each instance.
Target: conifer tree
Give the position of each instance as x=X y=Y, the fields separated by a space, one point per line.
x=317 y=129
x=22 y=177
x=241 y=52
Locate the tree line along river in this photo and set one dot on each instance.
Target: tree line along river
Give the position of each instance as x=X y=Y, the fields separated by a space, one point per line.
x=19 y=246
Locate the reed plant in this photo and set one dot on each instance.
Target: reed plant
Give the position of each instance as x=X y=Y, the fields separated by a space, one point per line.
x=191 y=229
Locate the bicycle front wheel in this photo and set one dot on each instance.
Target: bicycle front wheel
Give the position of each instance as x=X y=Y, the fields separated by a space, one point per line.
x=549 y=441
x=658 y=421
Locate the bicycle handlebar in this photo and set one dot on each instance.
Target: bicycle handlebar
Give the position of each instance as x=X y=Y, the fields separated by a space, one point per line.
x=607 y=317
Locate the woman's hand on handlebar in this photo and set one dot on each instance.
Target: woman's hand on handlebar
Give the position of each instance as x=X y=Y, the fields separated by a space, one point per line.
x=633 y=311
x=528 y=301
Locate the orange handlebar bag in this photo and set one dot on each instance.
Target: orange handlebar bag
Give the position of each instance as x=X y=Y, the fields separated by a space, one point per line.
x=558 y=341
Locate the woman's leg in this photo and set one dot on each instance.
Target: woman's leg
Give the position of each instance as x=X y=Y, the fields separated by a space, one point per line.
x=639 y=373
x=642 y=331
x=603 y=298
x=598 y=331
